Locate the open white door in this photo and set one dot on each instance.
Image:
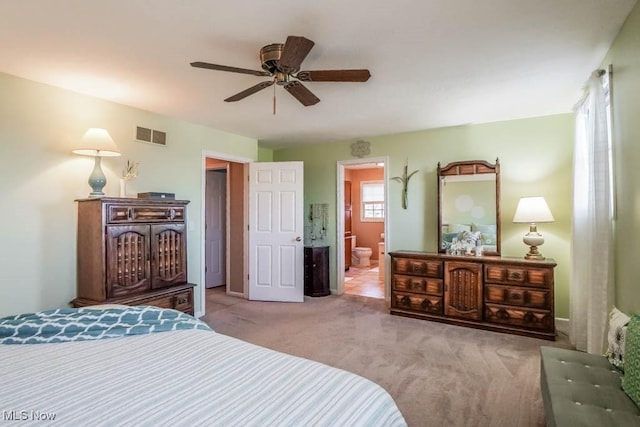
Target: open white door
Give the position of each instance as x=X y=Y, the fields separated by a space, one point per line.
x=276 y=227
x=216 y=228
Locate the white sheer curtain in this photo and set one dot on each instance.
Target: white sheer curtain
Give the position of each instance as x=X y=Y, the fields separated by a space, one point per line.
x=592 y=285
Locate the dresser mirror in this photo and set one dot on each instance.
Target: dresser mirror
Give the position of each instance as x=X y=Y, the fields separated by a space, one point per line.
x=469 y=208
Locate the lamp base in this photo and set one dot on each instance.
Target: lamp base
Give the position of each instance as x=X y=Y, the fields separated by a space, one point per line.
x=97 y=180
x=533 y=239
x=534 y=254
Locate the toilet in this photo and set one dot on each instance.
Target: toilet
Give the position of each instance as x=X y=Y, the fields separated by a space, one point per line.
x=360 y=256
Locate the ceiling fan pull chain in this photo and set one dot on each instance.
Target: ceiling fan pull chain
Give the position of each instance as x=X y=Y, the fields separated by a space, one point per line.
x=274 y=100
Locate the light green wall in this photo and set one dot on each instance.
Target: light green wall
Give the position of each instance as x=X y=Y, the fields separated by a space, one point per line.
x=39 y=126
x=265 y=154
x=535 y=156
x=625 y=58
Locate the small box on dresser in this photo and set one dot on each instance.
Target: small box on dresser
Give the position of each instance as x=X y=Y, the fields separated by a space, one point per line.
x=502 y=294
x=133 y=252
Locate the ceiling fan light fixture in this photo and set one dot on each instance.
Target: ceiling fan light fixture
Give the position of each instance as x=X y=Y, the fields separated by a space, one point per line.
x=270 y=56
x=281 y=62
x=281 y=78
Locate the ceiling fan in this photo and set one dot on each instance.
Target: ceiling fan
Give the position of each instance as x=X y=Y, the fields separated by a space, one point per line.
x=282 y=62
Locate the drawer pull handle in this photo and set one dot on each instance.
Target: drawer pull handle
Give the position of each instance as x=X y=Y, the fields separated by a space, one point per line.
x=130 y=214
x=426 y=304
x=516 y=275
x=171 y=214
x=419 y=268
x=529 y=317
x=502 y=314
x=516 y=296
x=405 y=300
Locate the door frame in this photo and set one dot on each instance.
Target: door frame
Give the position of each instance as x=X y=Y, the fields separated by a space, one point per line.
x=203 y=183
x=340 y=219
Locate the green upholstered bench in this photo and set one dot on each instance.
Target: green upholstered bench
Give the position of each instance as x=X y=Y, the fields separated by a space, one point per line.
x=582 y=389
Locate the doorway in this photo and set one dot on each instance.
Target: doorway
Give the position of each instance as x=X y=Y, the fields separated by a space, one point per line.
x=362 y=225
x=224 y=214
x=239 y=204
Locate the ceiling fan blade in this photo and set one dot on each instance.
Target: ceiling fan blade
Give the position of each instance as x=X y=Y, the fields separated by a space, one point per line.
x=301 y=93
x=334 y=76
x=250 y=91
x=293 y=53
x=230 y=69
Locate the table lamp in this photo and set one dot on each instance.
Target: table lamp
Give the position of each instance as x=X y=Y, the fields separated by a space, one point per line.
x=97 y=143
x=533 y=210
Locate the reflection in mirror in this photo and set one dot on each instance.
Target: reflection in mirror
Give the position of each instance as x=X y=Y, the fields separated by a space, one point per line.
x=468 y=208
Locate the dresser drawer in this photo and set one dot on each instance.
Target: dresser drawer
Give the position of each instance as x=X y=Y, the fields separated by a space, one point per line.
x=418 y=267
x=514 y=316
x=519 y=276
x=420 y=303
x=123 y=213
x=525 y=297
x=421 y=285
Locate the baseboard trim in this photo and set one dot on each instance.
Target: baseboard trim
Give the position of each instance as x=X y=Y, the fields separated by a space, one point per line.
x=235 y=294
x=562 y=326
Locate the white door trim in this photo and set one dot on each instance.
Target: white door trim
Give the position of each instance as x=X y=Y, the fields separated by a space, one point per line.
x=340 y=219
x=203 y=182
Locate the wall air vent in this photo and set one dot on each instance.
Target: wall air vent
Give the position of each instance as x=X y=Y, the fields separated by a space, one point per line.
x=159 y=137
x=151 y=135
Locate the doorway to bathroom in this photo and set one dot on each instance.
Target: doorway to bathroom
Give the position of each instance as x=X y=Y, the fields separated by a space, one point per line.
x=362 y=218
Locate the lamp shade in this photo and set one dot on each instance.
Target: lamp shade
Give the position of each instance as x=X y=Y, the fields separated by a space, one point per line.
x=97 y=142
x=532 y=210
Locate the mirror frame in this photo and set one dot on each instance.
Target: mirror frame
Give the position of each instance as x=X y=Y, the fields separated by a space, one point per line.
x=469 y=167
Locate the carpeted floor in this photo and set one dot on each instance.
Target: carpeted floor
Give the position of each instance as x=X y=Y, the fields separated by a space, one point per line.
x=438 y=374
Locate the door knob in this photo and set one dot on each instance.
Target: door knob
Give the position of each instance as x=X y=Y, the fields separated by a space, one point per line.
x=298 y=239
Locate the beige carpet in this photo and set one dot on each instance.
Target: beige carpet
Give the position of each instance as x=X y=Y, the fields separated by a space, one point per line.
x=438 y=374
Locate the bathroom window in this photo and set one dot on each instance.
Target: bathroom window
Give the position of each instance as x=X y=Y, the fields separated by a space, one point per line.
x=372 y=201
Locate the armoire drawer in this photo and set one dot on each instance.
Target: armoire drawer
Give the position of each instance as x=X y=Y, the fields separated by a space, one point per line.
x=123 y=213
x=420 y=303
x=183 y=301
x=421 y=285
x=417 y=267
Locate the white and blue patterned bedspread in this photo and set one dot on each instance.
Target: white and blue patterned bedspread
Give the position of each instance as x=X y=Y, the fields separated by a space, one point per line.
x=82 y=324
x=190 y=377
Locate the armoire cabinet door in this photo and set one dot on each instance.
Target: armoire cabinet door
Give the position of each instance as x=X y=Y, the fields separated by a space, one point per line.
x=168 y=255
x=127 y=260
x=463 y=290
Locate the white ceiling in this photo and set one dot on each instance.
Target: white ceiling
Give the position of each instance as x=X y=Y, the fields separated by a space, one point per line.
x=434 y=63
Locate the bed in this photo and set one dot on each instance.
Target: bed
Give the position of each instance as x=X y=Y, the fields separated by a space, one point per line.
x=149 y=366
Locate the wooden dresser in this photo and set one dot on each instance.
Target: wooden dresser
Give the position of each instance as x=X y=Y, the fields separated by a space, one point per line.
x=133 y=252
x=501 y=294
